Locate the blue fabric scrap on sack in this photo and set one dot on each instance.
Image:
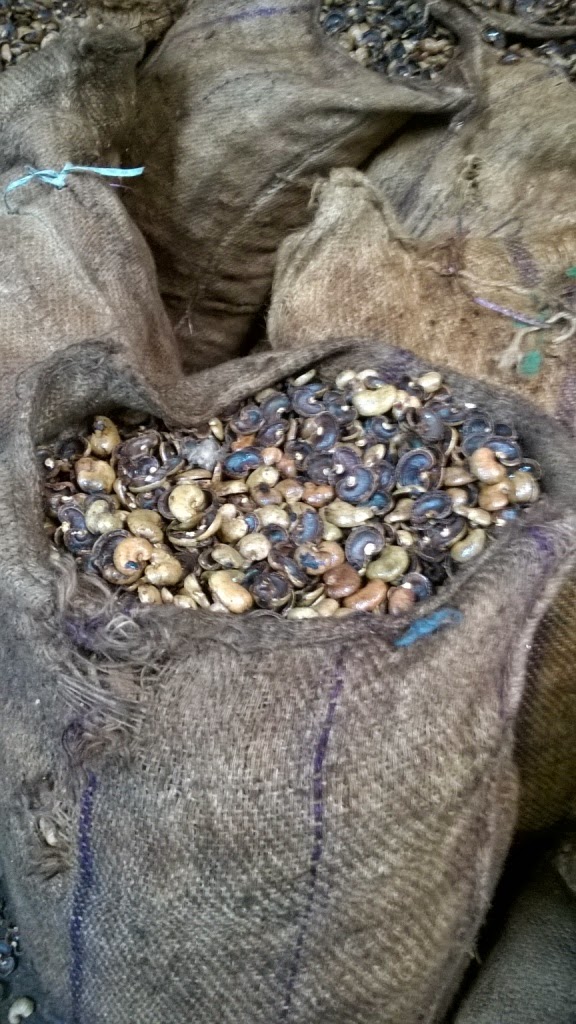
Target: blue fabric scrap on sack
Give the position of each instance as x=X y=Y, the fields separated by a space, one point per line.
x=58 y=179
x=429 y=624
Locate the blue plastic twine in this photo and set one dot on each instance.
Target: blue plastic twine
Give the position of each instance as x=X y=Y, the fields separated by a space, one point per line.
x=58 y=179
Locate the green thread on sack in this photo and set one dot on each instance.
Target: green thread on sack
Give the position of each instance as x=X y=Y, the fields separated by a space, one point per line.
x=530 y=363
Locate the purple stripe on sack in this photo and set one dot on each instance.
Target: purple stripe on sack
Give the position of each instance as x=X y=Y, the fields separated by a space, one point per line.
x=319 y=811
x=251 y=14
x=84 y=886
x=544 y=543
x=566 y=401
x=511 y=313
x=523 y=262
x=399 y=361
x=83 y=630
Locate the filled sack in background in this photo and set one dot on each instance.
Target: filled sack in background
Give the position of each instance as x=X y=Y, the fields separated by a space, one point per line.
x=239 y=109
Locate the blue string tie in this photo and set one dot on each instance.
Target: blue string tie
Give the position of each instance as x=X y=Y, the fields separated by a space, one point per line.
x=58 y=179
x=429 y=624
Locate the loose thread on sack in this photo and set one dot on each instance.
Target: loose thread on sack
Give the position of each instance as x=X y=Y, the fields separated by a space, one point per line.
x=429 y=624
x=526 y=363
x=504 y=311
x=59 y=179
x=514 y=356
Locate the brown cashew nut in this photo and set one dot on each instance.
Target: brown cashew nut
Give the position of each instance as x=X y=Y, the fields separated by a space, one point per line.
x=163 y=570
x=485 y=466
x=94 y=475
x=131 y=555
x=143 y=522
x=100 y=518
x=185 y=501
x=105 y=436
x=149 y=594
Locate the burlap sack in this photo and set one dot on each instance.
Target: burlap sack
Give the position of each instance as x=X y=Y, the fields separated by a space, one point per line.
x=494 y=232
x=269 y=822
x=59 y=259
x=546 y=730
x=150 y=18
x=463 y=230
x=239 y=108
x=429 y=283
x=243 y=820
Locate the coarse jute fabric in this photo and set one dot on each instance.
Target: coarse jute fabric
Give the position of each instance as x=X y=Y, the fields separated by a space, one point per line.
x=240 y=108
x=319 y=814
x=482 y=233
x=342 y=269
x=545 y=747
x=62 y=250
x=149 y=18
x=215 y=819
x=463 y=233
x=466 y=224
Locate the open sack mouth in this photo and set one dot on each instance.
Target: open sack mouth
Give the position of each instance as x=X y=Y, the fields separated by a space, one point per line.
x=395 y=39
x=313 y=498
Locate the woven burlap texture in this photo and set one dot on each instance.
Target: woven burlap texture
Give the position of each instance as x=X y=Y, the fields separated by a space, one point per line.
x=321 y=818
x=354 y=270
x=239 y=109
x=149 y=18
x=248 y=821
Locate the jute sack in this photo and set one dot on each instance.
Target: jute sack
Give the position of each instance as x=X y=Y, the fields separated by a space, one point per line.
x=300 y=822
x=66 y=254
x=495 y=231
x=545 y=748
x=245 y=820
x=356 y=268
x=239 y=108
x=149 y=18
x=454 y=238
